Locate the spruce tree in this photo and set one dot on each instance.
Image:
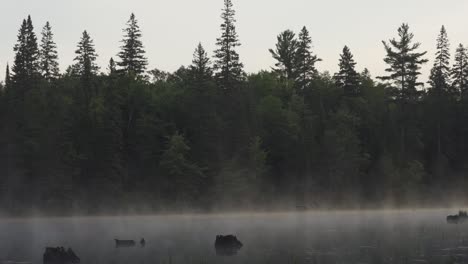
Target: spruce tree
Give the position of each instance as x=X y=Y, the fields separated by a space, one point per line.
x=347 y=78
x=26 y=64
x=459 y=71
x=7 y=77
x=228 y=68
x=132 y=55
x=440 y=72
x=285 y=54
x=305 y=60
x=200 y=68
x=404 y=62
x=86 y=57
x=48 y=54
x=112 y=67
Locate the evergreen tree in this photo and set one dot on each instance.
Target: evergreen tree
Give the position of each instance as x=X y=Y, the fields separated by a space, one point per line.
x=86 y=57
x=7 y=77
x=460 y=70
x=285 y=54
x=200 y=68
x=26 y=64
x=132 y=55
x=404 y=62
x=112 y=68
x=48 y=54
x=228 y=68
x=305 y=60
x=440 y=72
x=347 y=78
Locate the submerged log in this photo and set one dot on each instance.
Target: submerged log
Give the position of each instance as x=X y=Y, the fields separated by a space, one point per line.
x=124 y=243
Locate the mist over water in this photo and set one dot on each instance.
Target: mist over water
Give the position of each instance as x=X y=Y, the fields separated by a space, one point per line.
x=309 y=237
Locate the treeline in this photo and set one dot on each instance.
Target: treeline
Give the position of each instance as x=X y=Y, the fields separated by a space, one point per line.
x=209 y=135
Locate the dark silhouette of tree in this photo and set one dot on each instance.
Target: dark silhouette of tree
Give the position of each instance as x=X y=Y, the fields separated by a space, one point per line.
x=228 y=69
x=86 y=57
x=26 y=64
x=48 y=54
x=7 y=77
x=404 y=62
x=459 y=72
x=132 y=56
x=201 y=68
x=440 y=72
x=285 y=55
x=305 y=60
x=347 y=78
x=112 y=67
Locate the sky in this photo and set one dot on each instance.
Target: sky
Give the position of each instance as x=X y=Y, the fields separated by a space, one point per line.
x=172 y=28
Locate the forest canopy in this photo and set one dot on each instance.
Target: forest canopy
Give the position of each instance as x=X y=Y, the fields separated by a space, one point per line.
x=209 y=135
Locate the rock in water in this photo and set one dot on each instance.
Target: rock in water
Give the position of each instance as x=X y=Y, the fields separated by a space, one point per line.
x=59 y=255
x=227 y=245
x=461 y=217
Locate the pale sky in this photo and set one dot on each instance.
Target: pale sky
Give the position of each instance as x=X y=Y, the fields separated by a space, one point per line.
x=172 y=28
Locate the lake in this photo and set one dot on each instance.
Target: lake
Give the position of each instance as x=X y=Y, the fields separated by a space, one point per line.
x=410 y=236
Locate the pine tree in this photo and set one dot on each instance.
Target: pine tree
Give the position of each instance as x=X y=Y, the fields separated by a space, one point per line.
x=440 y=72
x=7 y=77
x=347 y=78
x=228 y=68
x=86 y=57
x=200 y=68
x=132 y=55
x=404 y=62
x=26 y=64
x=48 y=54
x=112 y=68
x=285 y=54
x=305 y=60
x=459 y=71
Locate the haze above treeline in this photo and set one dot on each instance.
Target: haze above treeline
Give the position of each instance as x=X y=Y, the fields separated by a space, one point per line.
x=210 y=136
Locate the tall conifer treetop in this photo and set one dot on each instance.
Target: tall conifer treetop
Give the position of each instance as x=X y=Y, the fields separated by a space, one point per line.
x=26 y=64
x=347 y=78
x=48 y=54
x=459 y=72
x=200 y=68
x=86 y=56
x=404 y=61
x=305 y=60
x=440 y=72
x=132 y=54
x=228 y=68
x=285 y=54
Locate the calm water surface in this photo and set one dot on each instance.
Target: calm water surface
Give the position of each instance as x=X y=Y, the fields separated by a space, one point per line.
x=419 y=236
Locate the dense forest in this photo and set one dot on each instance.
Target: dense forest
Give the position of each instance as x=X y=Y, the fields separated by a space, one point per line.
x=210 y=136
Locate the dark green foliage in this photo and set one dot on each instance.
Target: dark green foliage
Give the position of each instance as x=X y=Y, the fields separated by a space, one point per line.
x=112 y=67
x=460 y=70
x=88 y=142
x=132 y=57
x=347 y=78
x=227 y=66
x=285 y=55
x=7 y=77
x=85 y=57
x=26 y=64
x=404 y=62
x=201 y=69
x=440 y=72
x=48 y=54
x=305 y=60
